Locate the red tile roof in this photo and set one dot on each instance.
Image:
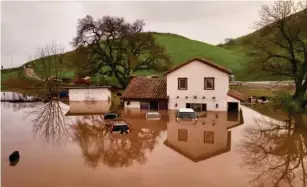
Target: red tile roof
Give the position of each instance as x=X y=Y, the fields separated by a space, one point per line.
x=236 y=95
x=145 y=88
x=225 y=70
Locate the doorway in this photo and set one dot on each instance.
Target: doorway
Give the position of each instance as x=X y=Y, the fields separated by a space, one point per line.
x=233 y=107
x=154 y=105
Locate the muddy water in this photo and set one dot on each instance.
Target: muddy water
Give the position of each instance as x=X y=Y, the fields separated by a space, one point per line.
x=77 y=150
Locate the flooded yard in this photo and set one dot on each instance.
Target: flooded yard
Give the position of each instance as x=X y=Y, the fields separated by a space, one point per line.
x=70 y=145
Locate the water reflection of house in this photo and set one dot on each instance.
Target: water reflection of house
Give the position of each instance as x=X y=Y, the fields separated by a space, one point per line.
x=209 y=137
x=79 y=108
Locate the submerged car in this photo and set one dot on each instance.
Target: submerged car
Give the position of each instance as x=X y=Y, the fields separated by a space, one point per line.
x=153 y=116
x=186 y=115
x=119 y=126
x=111 y=115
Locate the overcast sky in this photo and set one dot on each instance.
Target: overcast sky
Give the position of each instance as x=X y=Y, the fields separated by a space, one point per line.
x=27 y=25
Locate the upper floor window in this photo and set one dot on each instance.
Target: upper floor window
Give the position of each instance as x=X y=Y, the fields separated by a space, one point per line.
x=182 y=83
x=209 y=83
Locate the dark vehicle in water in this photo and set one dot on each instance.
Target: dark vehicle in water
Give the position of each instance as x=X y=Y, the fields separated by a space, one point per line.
x=119 y=126
x=111 y=115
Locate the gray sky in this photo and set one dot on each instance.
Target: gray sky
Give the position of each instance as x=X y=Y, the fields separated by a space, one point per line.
x=27 y=25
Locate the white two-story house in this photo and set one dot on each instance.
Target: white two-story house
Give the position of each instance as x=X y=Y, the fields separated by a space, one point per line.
x=197 y=83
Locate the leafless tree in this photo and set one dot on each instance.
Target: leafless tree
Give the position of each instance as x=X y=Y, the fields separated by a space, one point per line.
x=280 y=46
x=50 y=123
x=51 y=59
x=276 y=152
x=119 y=48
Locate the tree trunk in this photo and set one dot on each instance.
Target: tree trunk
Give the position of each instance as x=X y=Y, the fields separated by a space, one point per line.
x=122 y=81
x=299 y=95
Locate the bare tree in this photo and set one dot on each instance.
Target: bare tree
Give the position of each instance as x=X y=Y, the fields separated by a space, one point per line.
x=51 y=60
x=50 y=123
x=280 y=46
x=276 y=152
x=119 y=48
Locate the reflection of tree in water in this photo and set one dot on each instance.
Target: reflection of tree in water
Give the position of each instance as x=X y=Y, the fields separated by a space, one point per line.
x=113 y=150
x=277 y=153
x=50 y=122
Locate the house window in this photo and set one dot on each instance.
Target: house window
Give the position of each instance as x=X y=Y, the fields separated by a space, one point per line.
x=209 y=137
x=183 y=135
x=197 y=107
x=209 y=83
x=182 y=83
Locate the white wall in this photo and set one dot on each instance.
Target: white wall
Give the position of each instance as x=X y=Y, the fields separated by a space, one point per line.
x=98 y=94
x=195 y=72
x=89 y=107
x=133 y=104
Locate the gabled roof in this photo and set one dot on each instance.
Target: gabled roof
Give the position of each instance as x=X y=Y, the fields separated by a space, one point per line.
x=204 y=61
x=145 y=88
x=236 y=95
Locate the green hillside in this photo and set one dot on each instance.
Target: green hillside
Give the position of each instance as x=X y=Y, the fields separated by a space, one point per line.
x=243 y=44
x=179 y=49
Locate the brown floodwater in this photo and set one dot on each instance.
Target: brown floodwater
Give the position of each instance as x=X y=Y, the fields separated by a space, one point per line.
x=62 y=145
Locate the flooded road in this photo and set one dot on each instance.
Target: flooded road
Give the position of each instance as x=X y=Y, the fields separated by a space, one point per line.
x=62 y=145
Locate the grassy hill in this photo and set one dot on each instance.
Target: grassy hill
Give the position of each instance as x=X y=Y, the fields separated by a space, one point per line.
x=242 y=45
x=179 y=49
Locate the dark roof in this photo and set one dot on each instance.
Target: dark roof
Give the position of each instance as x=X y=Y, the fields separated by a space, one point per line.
x=145 y=88
x=204 y=61
x=236 y=95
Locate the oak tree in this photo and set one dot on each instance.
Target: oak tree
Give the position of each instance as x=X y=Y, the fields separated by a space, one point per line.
x=119 y=48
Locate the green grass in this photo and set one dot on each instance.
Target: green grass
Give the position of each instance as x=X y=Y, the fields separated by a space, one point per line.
x=15 y=78
x=7 y=74
x=180 y=49
x=244 y=45
x=265 y=109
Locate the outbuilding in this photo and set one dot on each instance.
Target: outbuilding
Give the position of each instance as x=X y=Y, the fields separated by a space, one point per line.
x=89 y=93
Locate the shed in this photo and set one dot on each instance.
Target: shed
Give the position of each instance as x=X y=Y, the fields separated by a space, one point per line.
x=89 y=93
